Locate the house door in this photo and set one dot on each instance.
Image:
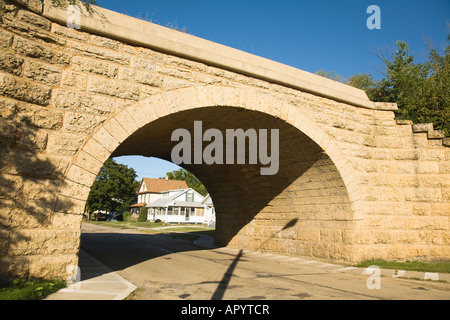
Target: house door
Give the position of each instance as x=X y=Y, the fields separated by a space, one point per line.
x=188 y=211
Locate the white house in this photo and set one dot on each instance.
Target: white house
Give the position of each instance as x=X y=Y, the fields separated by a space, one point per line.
x=150 y=190
x=181 y=206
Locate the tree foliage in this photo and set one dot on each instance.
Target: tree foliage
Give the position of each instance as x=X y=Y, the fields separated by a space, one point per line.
x=421 y=89
x=191 y=180
x=65 y=3
x=114 y=189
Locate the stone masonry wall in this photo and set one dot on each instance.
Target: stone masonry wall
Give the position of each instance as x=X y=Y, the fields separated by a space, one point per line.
x=377 y=188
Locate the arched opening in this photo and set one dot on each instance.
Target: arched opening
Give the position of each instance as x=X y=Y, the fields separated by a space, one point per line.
x=304 y=209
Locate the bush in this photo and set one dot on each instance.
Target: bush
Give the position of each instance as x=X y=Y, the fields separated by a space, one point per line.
x=143 y=214
x=127 y=216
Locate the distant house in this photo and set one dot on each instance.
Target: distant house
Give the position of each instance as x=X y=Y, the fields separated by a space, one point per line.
x=150 y=190
x=180 y=206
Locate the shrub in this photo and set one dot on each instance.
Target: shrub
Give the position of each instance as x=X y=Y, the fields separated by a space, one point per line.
x=143 y=214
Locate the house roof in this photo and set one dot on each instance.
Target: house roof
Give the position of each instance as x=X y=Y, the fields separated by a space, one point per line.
x=137 y=205
x=159 y=185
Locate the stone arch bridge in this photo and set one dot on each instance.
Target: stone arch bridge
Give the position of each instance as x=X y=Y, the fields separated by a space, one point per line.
x=353 y=183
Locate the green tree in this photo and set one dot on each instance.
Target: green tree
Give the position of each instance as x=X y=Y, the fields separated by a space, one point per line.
x=330 y=75
x=191 y=180
x=421 y=89
x=114 y=189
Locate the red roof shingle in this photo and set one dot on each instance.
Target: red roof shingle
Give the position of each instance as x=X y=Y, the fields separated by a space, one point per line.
x=159 y=185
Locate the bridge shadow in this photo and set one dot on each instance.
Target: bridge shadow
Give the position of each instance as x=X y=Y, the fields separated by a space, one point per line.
x=28 y=181
x=119 y=251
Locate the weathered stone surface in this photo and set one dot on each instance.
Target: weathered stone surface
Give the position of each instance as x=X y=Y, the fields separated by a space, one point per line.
x=34 y=50
x=79 y=102
x=41 y=117
x=70 y=33
x=42 y=72
x=99 y=53
x=94 y=67
x=10 y=63
x=66 y=144
x=22 y=90
x=82 y=123
x=5 y=39
x=33 y=18
x=142 y=77
x=112 y=88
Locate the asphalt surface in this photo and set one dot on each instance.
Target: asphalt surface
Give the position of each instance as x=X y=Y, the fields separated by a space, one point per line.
x=163 y=268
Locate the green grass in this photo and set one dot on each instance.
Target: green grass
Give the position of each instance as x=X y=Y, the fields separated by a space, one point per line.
x=30 y=290
x=442 y=267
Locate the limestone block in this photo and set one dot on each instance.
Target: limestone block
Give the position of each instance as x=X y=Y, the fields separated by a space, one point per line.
x=74 y=190
x=64 y=143
x=41 y=72
x=23 y=90
x=93 y=66
x=143 y=77
x=41 y=117
x=80 y=176
x=74 y=80
x=106 y=140
x=82 y=123
x=37 y=51
x=69 y=33
x=6 y=39
x=116 y=130
x=427 y=223
x=105 y=42
x=34 y=19
x=79 y=102
x=88 y=162
x=53 y=266
x=96 y=150
x=43 y=242
x=65 y=221
x=113 y=88
x=99 y=53
x=126 y=121
x=406 y=236
x=43 y=190
x=10 y=63
x=142 y=64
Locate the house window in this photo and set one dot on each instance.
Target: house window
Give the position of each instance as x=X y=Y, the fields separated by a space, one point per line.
x=182 y=211
x=200 y=212
x=190 y=197
x=170 y=211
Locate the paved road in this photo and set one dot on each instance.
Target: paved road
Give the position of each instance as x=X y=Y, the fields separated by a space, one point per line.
x=166 y=268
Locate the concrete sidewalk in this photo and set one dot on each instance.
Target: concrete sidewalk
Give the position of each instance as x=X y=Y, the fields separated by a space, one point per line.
x=98 y=282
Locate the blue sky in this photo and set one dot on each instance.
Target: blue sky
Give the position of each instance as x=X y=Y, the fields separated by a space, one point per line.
x=310 y=35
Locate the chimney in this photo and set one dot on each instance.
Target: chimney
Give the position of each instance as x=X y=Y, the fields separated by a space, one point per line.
x=167 y=178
